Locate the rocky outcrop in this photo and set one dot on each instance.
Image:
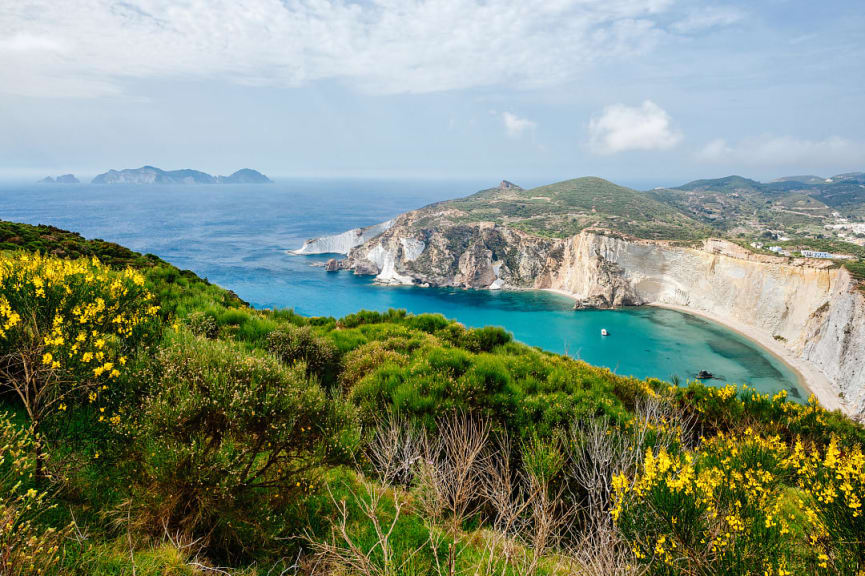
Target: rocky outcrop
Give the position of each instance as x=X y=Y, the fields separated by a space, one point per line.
x=342 y=243
x=810 y=307
x=62 y=179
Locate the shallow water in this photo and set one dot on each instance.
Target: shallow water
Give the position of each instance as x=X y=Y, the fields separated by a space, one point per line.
x=237 y=236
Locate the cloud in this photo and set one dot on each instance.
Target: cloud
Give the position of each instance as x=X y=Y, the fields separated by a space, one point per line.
x=382 y=46
x=708 y=17
x=620 y=128
x=516 y=126
x=29 y=43
x=784 y=151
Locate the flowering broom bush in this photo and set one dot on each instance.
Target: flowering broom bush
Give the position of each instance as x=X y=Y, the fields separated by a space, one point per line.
x=746 y=504
x=67 y=328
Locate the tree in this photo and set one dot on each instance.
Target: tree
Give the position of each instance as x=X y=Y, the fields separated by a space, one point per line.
x=67 y=328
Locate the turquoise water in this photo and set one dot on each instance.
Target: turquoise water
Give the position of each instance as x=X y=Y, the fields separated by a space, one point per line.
x=237 y=236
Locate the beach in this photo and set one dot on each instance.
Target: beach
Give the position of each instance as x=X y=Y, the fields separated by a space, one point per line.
x=810 y=378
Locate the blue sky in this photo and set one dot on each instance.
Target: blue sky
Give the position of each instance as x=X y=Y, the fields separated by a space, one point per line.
x=645 y=93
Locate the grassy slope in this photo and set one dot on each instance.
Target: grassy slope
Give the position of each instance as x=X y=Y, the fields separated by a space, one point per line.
x=565 y=208
x=422 y=365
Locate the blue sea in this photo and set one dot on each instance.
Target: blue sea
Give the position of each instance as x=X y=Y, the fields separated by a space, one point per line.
x=237 y=236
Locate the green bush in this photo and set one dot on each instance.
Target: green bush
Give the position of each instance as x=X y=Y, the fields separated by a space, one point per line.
x=202 y=324
x=228 y=437
x=294 y=345
x=27 y=545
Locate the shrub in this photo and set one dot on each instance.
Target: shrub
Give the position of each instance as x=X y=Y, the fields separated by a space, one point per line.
x=292 y=345
x=202 y=324
x=67 y=328
x=365 y=359
x=746 y=503
x=371 y=317
x=429 y=323
x=228 y=435
x=485 y=339
x=26 y=546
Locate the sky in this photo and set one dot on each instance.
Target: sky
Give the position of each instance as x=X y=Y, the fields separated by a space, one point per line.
x=645 y=93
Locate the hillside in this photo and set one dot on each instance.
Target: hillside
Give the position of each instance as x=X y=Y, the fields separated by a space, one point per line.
x=803 y=208
x=238 y=441
x=565 y=208
x=803 y=213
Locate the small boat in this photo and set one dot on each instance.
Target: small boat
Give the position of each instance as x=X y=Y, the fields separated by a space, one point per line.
x=704 y=375
x=604 y=332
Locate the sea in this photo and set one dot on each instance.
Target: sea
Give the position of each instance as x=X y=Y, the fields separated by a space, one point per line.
x=237 y=236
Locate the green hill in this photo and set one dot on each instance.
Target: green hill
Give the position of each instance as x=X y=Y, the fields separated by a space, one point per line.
x=565 y=208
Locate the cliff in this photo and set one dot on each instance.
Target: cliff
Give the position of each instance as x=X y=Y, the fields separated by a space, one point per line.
x=810 y=308
x=342 y=243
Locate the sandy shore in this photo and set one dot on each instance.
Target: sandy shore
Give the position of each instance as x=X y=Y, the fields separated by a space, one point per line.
x=811 y=379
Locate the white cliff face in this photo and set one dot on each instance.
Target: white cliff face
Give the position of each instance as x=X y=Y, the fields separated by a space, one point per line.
x=834 y=340
x=385 y=262
x=411 y=248
x=813 y=310
x=344 y=242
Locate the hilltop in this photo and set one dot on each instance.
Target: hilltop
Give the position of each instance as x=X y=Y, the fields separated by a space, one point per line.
x=565 y=208
x=153 y=175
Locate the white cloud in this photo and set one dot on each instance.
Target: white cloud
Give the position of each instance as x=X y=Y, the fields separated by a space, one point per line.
x=29 y=43
x=516 y=126
x=386 y=46
x=620 y=128
x=708 y=17
x=715 y=151
x=784 y=151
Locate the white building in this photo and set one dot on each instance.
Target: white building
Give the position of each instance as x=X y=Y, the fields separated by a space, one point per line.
x=824 y=255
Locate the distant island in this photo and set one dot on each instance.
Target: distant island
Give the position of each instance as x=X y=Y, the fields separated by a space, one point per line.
x=153 y=175
x=62 y=179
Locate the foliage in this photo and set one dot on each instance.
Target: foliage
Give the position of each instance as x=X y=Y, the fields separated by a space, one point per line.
x=27 y=546
x=293 y=344
x=229 y=435
x=746 y=504
x=203 y=324
x=67 y=328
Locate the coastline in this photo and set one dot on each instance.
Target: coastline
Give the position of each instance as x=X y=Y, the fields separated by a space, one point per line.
x=811 y=379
